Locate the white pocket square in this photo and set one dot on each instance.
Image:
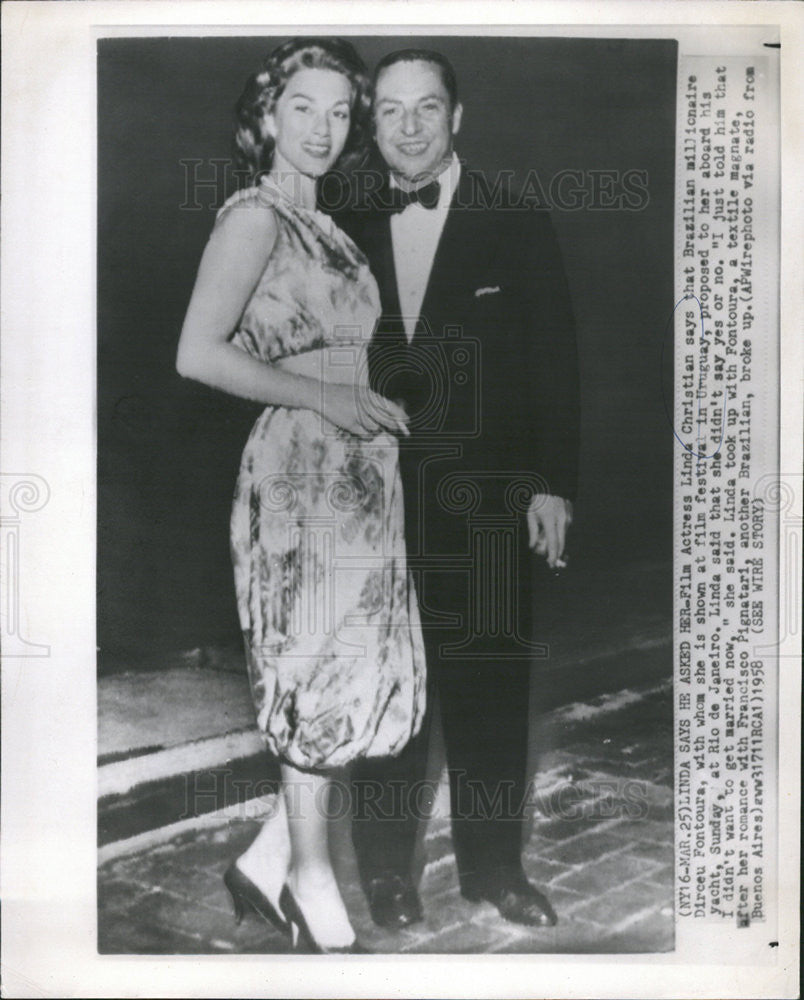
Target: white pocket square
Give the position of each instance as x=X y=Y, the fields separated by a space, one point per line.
x=486 y=291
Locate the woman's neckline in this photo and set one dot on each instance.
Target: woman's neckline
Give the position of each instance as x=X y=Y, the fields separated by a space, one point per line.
x=318 y=215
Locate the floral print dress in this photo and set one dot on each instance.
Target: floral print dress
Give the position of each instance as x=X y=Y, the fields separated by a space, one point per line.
x=325 y=599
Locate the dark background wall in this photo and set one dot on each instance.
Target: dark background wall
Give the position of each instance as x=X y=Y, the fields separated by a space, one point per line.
x=168 y=450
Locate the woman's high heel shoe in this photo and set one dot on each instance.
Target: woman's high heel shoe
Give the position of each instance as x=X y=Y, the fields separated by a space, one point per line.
x=301 y=935
x=246 y=895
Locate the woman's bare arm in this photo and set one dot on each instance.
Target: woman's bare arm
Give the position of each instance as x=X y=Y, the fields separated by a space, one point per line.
x=233 y=262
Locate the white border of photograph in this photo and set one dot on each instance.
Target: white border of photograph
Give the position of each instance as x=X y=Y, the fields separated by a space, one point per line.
x=48 y=430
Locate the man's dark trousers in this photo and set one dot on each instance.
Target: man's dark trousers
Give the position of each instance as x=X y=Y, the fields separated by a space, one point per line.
x=484 y=716
x=490 y=381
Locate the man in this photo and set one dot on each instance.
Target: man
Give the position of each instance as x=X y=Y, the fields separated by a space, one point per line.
x=477 y=341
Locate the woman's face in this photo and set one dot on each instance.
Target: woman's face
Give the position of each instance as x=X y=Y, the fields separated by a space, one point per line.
x=310 y=122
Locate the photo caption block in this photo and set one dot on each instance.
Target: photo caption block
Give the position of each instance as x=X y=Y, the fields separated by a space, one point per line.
x=726 y=327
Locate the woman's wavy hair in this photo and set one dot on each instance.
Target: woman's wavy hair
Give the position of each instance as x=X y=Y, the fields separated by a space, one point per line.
x=254 y=147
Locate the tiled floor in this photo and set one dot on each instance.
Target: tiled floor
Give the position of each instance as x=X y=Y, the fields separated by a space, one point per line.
x=599 y=844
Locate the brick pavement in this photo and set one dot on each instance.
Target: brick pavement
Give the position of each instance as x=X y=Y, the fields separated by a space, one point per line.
x=599 y=843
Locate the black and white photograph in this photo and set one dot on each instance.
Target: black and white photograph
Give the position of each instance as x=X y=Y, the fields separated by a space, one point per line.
x=401 y=502
x=387 y=477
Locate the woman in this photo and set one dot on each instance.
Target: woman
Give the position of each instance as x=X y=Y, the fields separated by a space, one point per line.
x=282 y=311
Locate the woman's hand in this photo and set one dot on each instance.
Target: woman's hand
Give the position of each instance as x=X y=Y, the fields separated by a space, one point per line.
x=233 y=262
x=361 y=411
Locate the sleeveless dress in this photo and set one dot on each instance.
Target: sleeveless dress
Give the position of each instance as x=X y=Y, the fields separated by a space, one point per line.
x=325 y=599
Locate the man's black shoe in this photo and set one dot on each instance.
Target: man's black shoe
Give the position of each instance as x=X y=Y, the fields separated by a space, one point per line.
x=393 y=901
x=515 y=898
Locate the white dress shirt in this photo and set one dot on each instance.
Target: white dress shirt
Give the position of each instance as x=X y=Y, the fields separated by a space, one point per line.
x=415 y=233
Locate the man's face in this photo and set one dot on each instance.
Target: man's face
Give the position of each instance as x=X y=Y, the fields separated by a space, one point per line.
x=414 y=122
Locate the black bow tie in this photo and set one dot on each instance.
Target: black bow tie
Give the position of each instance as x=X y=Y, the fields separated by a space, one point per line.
x=426 y=196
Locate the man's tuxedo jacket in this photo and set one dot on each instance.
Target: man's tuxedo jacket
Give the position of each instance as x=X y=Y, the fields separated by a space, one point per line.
x=492 y=373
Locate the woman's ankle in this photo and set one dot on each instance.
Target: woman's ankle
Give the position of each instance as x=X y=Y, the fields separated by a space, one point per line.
x=268 y=875
x=312 y=879
x=316 y=892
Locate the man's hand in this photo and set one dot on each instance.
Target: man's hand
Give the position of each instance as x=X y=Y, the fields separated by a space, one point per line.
x=548 y=520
